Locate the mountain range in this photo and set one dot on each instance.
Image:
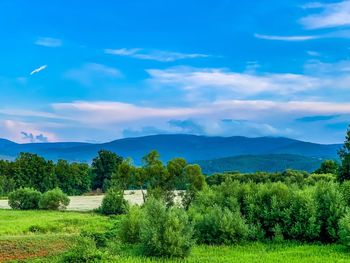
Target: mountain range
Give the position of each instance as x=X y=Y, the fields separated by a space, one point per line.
x=190 y=147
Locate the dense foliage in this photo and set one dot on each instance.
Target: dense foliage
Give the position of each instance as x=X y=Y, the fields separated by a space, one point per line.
x=24 y=199
x=114 y=203
x=33 y=171
x=54 y=199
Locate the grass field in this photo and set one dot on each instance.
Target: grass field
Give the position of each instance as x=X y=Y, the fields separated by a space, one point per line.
x=42 y=236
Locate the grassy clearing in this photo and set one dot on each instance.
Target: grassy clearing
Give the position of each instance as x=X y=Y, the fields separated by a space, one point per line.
x=252 y=252
x=55 y=232
x=14 y=222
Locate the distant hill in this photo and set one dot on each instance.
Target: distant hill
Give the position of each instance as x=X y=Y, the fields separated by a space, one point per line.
x=255 y=163
x=190 y=147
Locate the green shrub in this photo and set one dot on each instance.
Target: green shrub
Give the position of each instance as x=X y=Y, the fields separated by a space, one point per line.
x=345 y=191
x=114 y=203
x=220 y=226
x=330 y=207
x=24 y=199
x=314 y=178
x=130 y=226
x=165 y=232
x=266 y=205
x=99 y=237
x=300 y=219
x=84 y=251
x=54 y=200
x=344 y=230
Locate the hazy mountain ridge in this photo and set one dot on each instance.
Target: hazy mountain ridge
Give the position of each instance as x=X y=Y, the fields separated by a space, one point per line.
x=191 y=147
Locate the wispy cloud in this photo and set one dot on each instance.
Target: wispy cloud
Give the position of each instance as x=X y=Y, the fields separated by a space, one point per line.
x=313 y=53
x=157 y=55
x=37 y=70
x=118 y=112
x=210 y=83
x=48 y=42
x=233 y=84
x=89 y=72
x=330 y=15
x=288 y=38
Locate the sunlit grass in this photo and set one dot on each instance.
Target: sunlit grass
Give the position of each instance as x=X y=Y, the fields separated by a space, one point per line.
x=14 y=222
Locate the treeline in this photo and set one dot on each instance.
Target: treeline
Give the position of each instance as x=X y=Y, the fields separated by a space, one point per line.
x=32 y=171
x=107 y=170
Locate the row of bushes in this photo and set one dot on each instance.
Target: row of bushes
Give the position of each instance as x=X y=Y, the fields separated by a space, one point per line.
x=288 y=177
x=235 y=212
x=28 y=198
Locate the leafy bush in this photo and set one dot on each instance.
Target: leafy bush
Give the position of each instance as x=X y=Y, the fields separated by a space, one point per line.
x=300 y=220
x=165 y=232
x=330 y=208
x=84 y=251
x=314 y=178
x=266 y=205
x=130 y=226
x=344 y=231
x=114 y=203
x=219 y=226
x=345 y=191
x=99 y=237
x=24 y=199
x=54 y=200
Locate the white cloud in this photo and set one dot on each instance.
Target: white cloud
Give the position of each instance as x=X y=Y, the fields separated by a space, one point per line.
x=90 y=72
x=37 y=70
x=288 y=38
x=48 y=42
x=313 y=53
x=330 y=16
x=236 y=83
x=109 y=119
x=200 y=84
x=118 y=112
x=157 y=55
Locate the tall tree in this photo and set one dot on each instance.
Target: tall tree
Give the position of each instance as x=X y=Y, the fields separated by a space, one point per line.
x=31 y=170
x=158 y=177
x=103 y=166
x=122 y=177
x=176 y=168
x=195 y=182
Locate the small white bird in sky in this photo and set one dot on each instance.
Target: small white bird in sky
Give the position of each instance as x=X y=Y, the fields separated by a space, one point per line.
x=38 y=69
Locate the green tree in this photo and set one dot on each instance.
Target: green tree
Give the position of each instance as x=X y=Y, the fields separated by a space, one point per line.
x=195 y=182
x=122 y=177
x=62 y=171
x=31 y=170
x=139 y=179
x=328 y=167
x=175 y=169
x=103 y=166
x=160 y=181
x=344 y=155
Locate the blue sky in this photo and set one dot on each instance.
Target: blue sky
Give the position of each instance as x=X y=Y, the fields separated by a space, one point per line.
x=101 y=70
